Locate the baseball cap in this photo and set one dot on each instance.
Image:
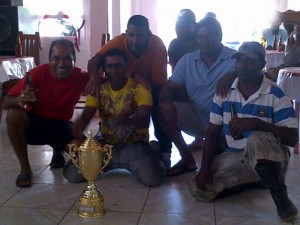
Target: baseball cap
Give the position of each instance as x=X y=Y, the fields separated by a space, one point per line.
x=251 y=50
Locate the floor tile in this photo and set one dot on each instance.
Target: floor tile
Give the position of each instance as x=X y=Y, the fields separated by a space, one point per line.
x=27 y=216
x=110 y=218
x=176 y=219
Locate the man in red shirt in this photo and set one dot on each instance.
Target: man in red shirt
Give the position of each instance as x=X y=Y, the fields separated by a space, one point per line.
x=147 y=61
x=41 y=105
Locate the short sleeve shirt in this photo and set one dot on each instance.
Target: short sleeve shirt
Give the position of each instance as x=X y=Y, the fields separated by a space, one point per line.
x=269 y=104
x=111 y=104
x=201 y=81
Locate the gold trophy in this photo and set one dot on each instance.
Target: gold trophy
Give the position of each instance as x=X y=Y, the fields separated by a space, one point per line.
x=91 y=158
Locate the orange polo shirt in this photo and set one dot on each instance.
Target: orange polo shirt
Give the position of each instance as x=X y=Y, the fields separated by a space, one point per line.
x=152 y=64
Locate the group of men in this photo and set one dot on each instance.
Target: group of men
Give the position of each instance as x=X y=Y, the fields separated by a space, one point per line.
x=248 y=124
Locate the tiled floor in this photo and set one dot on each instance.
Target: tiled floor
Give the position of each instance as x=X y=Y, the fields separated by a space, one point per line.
x=52 y=200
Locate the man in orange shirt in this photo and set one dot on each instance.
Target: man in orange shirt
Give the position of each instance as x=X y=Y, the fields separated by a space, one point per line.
x=147 y=62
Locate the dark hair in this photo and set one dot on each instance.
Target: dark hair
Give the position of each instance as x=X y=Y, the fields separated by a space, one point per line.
x=62 y=41
x=212 y=22
x=114 y=52
x=187 y=15
x=140 y=21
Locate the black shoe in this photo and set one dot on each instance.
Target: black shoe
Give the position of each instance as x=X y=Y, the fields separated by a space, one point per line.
x=285 y=208
x=57 y=161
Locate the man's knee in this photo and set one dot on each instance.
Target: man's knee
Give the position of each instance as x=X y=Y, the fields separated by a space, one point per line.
x=148 y=166
x=16 y=116
x=261 y=138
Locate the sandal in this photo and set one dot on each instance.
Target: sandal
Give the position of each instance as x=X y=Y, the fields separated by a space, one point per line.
x=57 y=161
x=24 y=180
x=178 y=169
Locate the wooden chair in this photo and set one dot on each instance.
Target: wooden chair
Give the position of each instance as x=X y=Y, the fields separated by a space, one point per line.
x=105 y=39
x=31 y=45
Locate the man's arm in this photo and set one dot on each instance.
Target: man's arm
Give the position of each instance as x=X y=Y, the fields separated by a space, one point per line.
x=288 y=136
x=83 y=121
x=289 y=17
x=138 y=118
x=225 y=83
x=170 y=92
x=11 y=102
x=93 y=85
x=211 y=149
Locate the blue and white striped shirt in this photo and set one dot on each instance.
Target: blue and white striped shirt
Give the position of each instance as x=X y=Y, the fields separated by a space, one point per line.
x=269 y=104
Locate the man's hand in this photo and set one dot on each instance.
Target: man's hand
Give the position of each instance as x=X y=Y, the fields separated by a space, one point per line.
x=96 y=72
x=93 y=86
x=225 y=83
x=239 y=125
x=204 y=177
x=128 y=111
x=78 y=129
x=26 y=97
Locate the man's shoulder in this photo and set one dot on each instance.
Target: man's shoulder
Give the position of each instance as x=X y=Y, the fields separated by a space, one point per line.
x=228 y=52
x=156 y=41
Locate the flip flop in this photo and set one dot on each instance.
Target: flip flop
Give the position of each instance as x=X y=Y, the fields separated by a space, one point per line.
x=24 y=180
x=179 y=169
x=57 y=161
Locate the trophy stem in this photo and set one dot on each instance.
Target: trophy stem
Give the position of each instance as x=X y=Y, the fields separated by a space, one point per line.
x=91 y=202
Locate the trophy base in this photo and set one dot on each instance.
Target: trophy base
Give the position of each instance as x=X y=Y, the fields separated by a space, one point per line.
x=91 y=207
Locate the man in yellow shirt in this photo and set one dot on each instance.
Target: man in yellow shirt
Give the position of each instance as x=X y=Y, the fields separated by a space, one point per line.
x=124 y=109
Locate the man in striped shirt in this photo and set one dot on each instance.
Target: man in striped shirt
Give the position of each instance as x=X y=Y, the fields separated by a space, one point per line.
x=259 y=122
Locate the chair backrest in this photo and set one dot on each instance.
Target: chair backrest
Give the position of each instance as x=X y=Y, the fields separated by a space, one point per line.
x=105 y=39
x=31 y=45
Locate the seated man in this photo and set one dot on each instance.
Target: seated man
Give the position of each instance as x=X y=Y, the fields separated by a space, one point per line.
x=272 y=32
x=186 y=99
x=125 y=116
x=259 y=121
x=41 y=105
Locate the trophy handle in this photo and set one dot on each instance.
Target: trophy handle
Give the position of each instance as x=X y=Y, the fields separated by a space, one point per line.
x=73 y=152
x=107 y=157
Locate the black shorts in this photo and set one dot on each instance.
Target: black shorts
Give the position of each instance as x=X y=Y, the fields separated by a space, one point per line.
x=55 y=133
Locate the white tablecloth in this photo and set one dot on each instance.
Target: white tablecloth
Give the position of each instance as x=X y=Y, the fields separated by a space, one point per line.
x=289 y=80
x=12 y=67
x=274 y=59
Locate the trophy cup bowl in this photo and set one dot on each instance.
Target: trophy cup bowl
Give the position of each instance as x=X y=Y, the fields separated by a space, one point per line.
x=91 y=158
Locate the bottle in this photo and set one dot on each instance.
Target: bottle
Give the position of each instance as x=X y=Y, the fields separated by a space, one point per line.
x=281 y=46
x=275 y=42
x=31 y=89
x=234 y=114
x=263 y=41
x=18 y=50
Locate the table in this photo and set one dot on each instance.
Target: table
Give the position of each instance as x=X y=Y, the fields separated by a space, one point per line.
x=289 y=80
x=274 y=58
x=12 y=67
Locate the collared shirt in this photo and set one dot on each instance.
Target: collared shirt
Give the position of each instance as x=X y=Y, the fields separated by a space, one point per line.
x=201 y=81
x=269 y=104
